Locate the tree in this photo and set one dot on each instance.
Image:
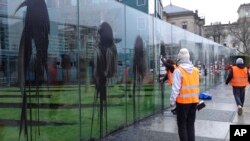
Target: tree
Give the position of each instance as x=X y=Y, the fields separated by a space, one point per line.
x=216 y=31
x=241 y=35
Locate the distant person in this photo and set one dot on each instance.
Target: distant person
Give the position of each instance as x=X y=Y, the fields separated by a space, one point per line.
x=239 y=78
x=163 y=72
x=52 y=70
x=228 y=67
x=227 y=70
x=185 y=95
x=166 y=70
x=204 y=70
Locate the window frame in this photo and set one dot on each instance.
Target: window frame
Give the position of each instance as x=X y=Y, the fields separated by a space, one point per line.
x=137 y=3
x=184 y=24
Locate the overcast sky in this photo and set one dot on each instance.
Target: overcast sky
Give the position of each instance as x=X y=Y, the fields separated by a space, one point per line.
x=213 y=10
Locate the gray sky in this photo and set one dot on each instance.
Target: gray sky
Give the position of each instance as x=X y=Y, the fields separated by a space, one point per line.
x=213 y=10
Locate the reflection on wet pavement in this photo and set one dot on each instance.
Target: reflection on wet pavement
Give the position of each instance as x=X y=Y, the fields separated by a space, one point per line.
x=212 y=123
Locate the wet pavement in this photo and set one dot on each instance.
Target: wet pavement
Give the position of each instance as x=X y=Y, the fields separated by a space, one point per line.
x=212 y=122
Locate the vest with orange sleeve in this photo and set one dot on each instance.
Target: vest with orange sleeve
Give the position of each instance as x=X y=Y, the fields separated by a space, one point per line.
x=170 y=76
x=240 y=77
x=189 y=92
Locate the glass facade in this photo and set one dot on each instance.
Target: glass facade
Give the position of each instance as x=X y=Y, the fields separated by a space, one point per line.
x=66 y=104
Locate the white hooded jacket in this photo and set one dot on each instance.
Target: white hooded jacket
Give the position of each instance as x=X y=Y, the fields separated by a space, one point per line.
x=177 y=78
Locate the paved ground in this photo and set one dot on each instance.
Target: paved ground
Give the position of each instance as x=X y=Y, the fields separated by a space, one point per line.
x=212 y=122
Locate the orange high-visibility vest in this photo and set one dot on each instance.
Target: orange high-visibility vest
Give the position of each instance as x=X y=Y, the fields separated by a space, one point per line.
x=240 y=77
x=189 y=92
x=170 y=76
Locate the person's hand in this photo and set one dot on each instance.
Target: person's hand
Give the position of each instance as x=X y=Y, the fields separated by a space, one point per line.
x=172 y=104
x=162 y=80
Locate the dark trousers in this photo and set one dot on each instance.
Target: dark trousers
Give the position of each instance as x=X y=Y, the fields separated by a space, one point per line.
x=185 y=120
x=239 y=95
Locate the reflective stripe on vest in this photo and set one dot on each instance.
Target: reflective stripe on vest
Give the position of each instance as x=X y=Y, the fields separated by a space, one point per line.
x=240 y=77
x=189 y=92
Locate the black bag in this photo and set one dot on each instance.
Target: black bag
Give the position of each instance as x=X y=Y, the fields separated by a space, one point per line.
x=201 y=105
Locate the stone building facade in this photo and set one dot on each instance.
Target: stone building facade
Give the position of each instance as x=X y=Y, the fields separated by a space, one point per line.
x=221 y=34
x=244 y=10
x=184 y=18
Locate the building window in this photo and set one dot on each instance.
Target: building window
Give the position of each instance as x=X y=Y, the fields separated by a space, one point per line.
x=184 y=25
x=141 y=2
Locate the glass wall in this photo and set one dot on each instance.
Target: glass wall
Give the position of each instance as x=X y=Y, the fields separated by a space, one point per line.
x=58 y=88
x=39 y=90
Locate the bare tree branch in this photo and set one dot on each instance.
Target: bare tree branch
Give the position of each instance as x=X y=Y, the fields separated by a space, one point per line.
x=241 y=34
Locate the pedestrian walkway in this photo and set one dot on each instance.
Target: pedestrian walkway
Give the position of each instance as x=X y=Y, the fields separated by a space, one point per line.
x=212 y=122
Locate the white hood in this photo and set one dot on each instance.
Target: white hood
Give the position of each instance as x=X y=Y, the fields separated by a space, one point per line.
x=188 y=67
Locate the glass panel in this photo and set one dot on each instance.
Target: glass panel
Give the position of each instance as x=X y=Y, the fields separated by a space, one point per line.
x=205 y=78
x=139 y=44
x=104 y=99
x=44 y=102
x=162 y=38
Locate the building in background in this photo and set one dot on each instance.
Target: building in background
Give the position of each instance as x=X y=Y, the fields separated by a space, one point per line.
x=244 y=10
x=232 y=34
x=158 y=8
x=4 y=51
x=3 y=24
x=153 y=7
x=219 y=33
x=241 y=29
x=184 y=18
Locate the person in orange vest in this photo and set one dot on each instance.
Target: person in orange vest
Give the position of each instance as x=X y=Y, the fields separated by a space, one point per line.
x=170 y=69
x=162 y=73
x=185 y=95
x=170 y=66
x=239 y=78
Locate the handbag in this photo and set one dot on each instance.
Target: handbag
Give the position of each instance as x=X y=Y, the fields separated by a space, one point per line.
x=201 y=105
